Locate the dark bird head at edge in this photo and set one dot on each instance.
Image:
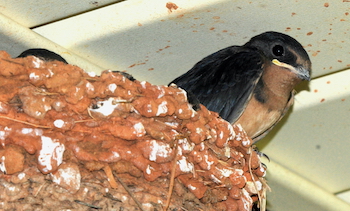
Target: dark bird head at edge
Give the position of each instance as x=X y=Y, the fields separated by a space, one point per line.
x=284 y=51
x=42 y=54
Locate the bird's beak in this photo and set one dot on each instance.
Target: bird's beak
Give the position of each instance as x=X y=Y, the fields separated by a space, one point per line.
x=300 y=71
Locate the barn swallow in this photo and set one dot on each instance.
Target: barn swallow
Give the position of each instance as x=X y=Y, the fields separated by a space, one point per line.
x=42 y=54
x=251 y=85
x=47 y=55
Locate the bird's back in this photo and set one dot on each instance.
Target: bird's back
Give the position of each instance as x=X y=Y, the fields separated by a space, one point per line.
x=224 y=81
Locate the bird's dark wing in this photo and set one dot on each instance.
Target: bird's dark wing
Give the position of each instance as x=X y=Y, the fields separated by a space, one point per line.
x=224 y=81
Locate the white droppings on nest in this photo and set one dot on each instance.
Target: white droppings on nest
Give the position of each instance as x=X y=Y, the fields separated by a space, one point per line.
x=209 y=163
x=2 y=164
x=51 y=150
x=21 y=175
x=11 y=187
x=173 y=85
x=149 y=169
x=185 y=145
x=184 y=165
x=3 y=107
x=77 y=89
x=89 y=86
x=46 y=104
x=159 y=149
x=143 y=84
x=225 y=171
x=149 y=108
x=147 y=206
x=238 y=137
x=253 y=188
x=179 y=151
x=3 y=134
x=91 y=74
x=139 y=129
x=162 y=91
x=239 y=172
x=2 y=138
x=112 y=87
x=37 y=62
x=246 y=199
x=199 y=130
x=193 y=113
x=202 y=146
x=246 y=142
x=32 y=131
x=191 y=187
x=182 y=92
x=124 y=199
x=172 y=124
x=106 y=107
x=263 y=170
x=115 y=155
x=58 y=123
x=58 y=105
x=232 y=131
x=50 y=73
x=221 y=134
x=162 y=108
x=85 y=190
x=33 y=76
x=67 y=175
x=38 y=113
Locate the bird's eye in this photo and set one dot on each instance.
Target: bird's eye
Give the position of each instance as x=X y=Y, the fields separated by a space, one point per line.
x=278 y=50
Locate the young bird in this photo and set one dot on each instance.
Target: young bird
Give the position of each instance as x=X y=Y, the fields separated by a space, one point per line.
x=42 y=54
x=251 y=85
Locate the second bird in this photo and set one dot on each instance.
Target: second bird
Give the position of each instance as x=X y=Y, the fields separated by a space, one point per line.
x=252 y=85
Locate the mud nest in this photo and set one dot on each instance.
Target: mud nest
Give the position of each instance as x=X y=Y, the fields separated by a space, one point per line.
x=71 y=140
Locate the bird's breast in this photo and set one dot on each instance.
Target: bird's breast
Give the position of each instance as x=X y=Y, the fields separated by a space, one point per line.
x=259 y=117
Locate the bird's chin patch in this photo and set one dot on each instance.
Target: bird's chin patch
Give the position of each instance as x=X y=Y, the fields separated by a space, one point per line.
x=299 y=71
x=284 y=65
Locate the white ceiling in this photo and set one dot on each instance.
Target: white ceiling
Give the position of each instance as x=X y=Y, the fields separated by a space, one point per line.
x=310 y=162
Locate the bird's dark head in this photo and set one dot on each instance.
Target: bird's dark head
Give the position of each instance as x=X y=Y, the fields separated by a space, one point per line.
x=284 y=51
x=42 y=54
